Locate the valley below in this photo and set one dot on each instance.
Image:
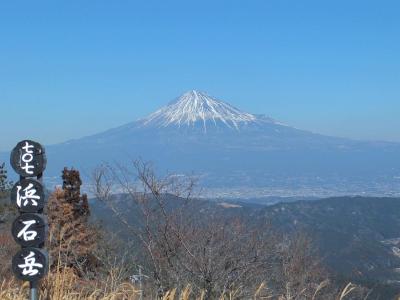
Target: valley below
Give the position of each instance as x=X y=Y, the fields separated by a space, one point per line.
x=357 y=238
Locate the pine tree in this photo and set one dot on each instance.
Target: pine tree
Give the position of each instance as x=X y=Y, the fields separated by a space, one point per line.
x=72 y=239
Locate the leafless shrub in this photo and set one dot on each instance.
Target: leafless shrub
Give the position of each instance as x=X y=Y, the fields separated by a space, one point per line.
x=184 y=242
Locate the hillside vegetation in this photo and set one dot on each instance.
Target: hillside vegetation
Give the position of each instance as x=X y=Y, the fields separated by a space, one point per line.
x=163 y=244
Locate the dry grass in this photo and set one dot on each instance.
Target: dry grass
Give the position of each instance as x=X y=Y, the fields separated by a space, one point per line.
x=66 y=286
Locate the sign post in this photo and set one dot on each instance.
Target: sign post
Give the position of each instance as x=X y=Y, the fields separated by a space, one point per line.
x=29 y=229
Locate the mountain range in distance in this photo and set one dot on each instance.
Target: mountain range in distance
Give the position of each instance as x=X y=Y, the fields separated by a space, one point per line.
x=237 y=154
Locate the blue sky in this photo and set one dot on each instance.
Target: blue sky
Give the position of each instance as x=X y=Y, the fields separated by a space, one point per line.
x=73 y=68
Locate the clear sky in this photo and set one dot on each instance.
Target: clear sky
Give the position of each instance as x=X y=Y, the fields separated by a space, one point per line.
x=73 y=68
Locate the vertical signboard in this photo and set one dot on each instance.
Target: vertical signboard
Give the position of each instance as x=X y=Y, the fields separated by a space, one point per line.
x=28 y=160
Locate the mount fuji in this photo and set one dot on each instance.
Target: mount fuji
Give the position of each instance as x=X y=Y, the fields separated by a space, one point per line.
x=238 y=154
x=197 y=107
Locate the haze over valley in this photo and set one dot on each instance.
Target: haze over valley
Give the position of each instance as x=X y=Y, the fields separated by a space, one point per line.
x=235 y=154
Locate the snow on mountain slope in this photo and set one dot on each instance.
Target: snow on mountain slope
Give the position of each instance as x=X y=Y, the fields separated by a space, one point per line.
x=194 y=107
x=231 y=148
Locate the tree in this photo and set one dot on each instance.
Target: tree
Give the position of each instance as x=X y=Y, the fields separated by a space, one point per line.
x=5 y=184
x=184 y=241
x=72 y=239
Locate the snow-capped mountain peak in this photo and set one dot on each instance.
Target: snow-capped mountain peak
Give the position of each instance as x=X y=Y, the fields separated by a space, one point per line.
x=193 y=107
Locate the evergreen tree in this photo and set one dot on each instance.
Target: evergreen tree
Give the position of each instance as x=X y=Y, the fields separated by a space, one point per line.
x=72 y=239
x=5 y=184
